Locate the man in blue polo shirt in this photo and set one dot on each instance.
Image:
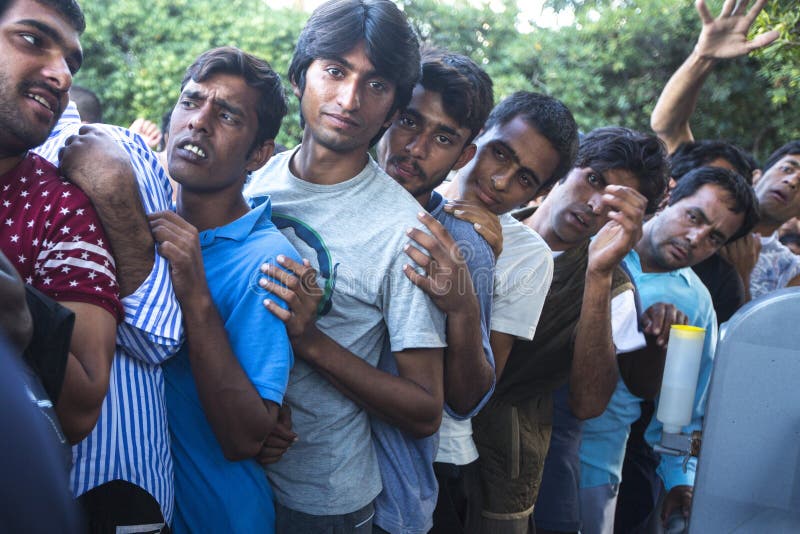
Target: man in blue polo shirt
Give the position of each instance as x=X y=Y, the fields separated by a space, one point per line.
x=225 y=386
x=709 y=207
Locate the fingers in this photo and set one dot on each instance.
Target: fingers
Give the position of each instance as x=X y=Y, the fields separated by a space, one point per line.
x=422 y=282
x=702 y=10
x=436 y=229
x=419 y=257
x=762 y=40
x=728 y=8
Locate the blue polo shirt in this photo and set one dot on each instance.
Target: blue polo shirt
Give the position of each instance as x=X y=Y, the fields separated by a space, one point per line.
x=213 y=494
x=605 y=437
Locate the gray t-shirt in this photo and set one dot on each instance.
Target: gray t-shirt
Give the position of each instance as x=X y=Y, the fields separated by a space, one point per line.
x=353 y=233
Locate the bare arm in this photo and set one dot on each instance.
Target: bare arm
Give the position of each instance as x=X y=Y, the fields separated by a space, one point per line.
x=720 y=38
x=88 y=369
x=240 y=418
x=468 y=376
x=97 y=164
x=593 y=374
x=411 y=401
x=501 y=347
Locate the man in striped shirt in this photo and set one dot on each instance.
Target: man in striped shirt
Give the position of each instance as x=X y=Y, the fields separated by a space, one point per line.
x=122 y=470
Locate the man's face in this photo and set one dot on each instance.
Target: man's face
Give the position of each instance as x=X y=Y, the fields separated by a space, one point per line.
x=511 y=162
x=576 y=207
x=211 y=133
x=40 y=52
x=345 y=102
x=777 y=190
x=691 y=229
x=423 y=144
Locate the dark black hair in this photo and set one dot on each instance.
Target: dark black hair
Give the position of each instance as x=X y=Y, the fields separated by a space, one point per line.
x=69 y=9
x=644 y=155
x=792 y=147
x=466 y=89
x=89 y=107
x=338 y=26
x=742 y=196
x=550 y=117
x=257 y=73
x=694 y=154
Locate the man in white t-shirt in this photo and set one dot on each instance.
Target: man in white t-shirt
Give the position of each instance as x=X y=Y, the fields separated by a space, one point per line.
x=527 y=145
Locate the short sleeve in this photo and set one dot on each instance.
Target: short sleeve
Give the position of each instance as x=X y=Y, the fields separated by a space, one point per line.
x=413 y=320
x=522 y=279
x=625 y=323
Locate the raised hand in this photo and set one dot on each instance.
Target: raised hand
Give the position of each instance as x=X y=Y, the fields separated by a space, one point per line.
x=617 y=237
x=726 y=35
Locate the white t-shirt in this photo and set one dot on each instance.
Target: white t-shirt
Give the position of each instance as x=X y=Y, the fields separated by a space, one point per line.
x=522 y=279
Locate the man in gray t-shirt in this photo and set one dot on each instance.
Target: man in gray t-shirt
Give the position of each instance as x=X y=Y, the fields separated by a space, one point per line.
x=355 y=63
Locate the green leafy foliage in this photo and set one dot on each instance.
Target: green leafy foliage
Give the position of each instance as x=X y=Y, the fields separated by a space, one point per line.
x=609 y=67
x=137 y=52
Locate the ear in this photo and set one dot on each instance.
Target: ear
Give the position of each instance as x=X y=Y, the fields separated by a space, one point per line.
x=757 y=174
x=296 y=89
x=260 y=155
x=466 y=154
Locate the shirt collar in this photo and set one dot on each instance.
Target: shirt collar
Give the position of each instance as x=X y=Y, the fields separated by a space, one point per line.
x=435 y=204
x=242 y=227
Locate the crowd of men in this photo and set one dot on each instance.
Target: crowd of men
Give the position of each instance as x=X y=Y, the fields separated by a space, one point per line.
x=337 y=339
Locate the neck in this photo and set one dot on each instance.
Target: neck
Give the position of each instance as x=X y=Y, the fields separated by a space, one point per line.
x=452 y=189
x=320 y=165
x=538 y=221
x=205 y=210
x=766 y=228
x=643 y=249
x=9 y=162
x=423 y=199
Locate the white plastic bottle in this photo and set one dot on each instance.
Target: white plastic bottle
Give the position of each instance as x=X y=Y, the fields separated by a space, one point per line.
x=680 y=376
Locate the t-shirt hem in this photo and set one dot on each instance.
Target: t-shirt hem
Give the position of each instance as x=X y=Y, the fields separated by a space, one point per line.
x=308 y=508
x=512 y=328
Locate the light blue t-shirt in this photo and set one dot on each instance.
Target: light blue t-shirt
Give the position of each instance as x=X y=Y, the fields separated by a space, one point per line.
x=406 y=503
x=605 y=437
x=213 y=494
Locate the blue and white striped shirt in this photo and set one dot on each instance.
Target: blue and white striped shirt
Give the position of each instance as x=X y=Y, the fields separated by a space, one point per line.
x=130 y=441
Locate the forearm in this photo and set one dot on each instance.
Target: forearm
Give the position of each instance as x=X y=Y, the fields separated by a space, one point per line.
x=234 y=409
x=87 y=372
x=468 y=376
x=671 y=115
x=126 y=225
x=81 y=397
x=593 y=374
x=412 y=405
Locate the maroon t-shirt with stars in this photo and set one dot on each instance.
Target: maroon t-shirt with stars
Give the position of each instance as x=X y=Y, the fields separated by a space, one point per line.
x=51 y=233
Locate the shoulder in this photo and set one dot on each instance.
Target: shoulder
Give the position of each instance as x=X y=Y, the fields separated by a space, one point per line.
x=277 y=166
x=522 y=245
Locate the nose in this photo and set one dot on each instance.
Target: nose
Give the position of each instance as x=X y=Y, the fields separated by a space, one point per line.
x=57 y=73
x=595 y=203
x=696 y=236
x=418 y=147
x=349 y=98
x=199 y=120
x=792 y=180
x=501 y=182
